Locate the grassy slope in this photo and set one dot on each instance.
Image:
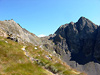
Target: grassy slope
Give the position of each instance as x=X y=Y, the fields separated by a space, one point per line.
x=13 y=61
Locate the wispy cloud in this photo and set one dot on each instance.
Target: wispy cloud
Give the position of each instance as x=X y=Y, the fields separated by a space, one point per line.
x=41 y=35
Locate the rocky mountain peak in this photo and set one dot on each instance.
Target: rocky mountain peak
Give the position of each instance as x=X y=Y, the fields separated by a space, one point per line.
x=79 y=42
x=82 y=19
x=85 y=23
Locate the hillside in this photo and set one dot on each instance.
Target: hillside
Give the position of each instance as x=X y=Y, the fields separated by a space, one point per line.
x=19 y=59
x=11 y=29
x=23 y=53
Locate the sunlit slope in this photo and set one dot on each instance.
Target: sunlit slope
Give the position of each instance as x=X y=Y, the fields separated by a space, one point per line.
x=19 y=59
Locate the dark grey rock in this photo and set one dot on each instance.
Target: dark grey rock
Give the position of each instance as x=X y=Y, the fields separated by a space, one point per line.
x=79 y=45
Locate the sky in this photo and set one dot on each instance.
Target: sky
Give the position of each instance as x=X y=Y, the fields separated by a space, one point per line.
x=44 y=17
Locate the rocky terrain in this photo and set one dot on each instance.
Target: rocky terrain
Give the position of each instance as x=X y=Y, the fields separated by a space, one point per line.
x=23 y=53
x=79 y=45
x=12 y=30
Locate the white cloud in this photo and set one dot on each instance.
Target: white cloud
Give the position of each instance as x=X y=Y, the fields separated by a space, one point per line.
x=41 y=35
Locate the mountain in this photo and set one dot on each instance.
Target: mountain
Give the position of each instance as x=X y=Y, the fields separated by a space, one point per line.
x=23 y=53
x=79 y=45
x=14 y=31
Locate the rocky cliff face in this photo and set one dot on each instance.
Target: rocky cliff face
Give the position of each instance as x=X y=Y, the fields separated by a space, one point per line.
x=79 y=45
x=14 y=31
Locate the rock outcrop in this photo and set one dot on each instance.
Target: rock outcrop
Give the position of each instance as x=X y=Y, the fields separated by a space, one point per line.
x=79 y=45
x=12 y=30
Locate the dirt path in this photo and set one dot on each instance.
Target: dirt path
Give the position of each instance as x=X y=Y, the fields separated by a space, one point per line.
x=27 y=54
x=33 y=59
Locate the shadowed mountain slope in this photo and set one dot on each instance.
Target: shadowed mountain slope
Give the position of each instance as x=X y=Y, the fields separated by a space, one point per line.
x=78 y=44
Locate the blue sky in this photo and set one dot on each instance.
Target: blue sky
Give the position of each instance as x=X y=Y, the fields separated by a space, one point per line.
x=45 y=16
